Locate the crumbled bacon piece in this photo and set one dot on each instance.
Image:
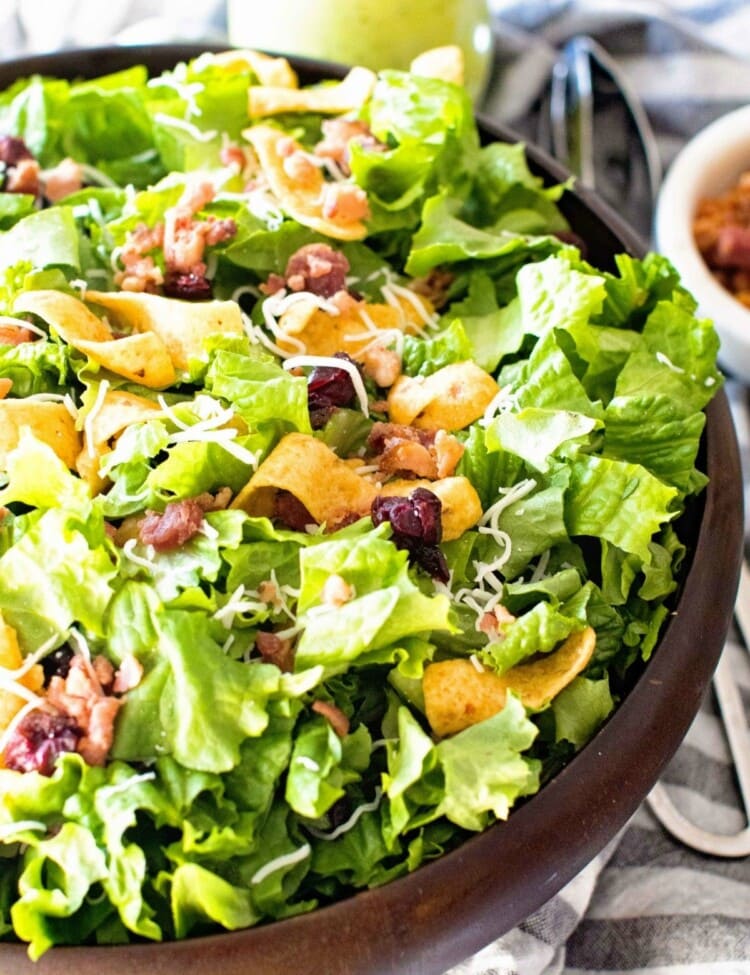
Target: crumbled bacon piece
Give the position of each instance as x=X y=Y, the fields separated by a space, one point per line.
x=140 y=275
x=80 y=697
x=15 y=335
x=62 y=180
x=419 y=453
x=344 y=202
x=493 y=623
x=338 y=136
x=23 y=177
x=215 y=502
x=275 y=650
x=333 y=715
x=177 y=524
x=273 y=285
x=317 y=268
x=234 y=156
x=5 y=387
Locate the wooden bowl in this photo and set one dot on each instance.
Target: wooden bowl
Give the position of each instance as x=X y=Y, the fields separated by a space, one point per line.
x=452 y=907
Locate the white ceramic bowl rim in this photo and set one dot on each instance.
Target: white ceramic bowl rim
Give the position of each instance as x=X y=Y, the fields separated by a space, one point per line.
x=708 y=165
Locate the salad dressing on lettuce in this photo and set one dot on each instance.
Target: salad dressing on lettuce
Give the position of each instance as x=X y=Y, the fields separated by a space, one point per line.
x=340 y=492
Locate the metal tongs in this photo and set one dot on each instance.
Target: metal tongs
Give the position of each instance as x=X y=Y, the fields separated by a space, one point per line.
x=588 y=91
x=738 y=738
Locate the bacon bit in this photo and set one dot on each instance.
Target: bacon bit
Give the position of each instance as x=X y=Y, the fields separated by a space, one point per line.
x=215 y=502
x=234 y=156
x=178 y=523
x=15 y=335
x=185 y=239
x=268 y=592
x=448 y=452
x=422 y=453
x=273 y=285
x=104 y=671
x=299 y=168
x=128 y=675
x=333 y=715
x=79 y=696
x=64 y=179
x=493 y=624
x=338 y=136
x=140 y=274
x=336 y=591
x=408 y=456
x=23 y=177
x=5 y=387
x=317 y=268
x=344 y=202
x=95 y=745
x=275 y=650
x=380 y=364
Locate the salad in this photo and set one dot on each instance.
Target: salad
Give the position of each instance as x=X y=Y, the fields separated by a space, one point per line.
x=340 y=491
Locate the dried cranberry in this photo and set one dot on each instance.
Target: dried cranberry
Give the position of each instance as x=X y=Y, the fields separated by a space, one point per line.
x=57 y=663
x=188 y=285
x=13 y=150
x=417 y=527
x=327 y=389
x=38 y=740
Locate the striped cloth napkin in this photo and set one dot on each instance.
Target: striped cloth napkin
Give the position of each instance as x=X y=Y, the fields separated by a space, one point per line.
x=646 y=905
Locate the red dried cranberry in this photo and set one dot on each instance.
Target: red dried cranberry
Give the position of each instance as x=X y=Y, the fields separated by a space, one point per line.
x=417 y=528
x=13 y=150
x=188 y=285
x=38 y=740
x=327 y=389
x=57 y=663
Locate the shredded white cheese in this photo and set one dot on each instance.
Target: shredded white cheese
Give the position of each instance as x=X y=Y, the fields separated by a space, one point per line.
x=7 y=830
x=279 y=863
x=22 y=323
x=352 y=820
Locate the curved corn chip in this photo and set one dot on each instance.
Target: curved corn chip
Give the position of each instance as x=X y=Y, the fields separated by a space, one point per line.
x=538 y=682
x=117 y=410
x=11 y=659
x=308 y=469
x=344 y=96
x=181 y=325
x=446 y=63
x=458 y=695
x=300 y=200
x=48 y=421
x=349 y=331
x=142 y=358
x=449 y=399
x=274 y=72
x=461 y=507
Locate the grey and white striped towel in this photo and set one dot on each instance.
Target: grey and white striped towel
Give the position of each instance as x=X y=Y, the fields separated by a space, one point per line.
x=646 y=905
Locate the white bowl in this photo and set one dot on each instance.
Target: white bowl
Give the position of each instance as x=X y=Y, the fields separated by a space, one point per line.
x=708 y=165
